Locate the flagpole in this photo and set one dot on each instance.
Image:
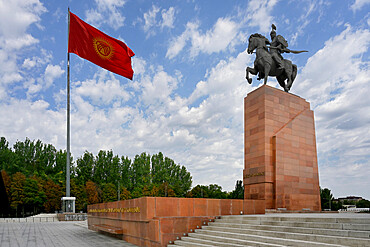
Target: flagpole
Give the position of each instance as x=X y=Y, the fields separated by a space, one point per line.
x=68 y=194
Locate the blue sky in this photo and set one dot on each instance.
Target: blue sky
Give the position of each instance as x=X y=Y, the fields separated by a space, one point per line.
x=186 y=98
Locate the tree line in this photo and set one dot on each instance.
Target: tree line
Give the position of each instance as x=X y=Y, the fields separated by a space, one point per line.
x=329 y=203
x=33 y=175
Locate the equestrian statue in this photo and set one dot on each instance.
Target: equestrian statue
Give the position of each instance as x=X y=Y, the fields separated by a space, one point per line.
x=269 y=61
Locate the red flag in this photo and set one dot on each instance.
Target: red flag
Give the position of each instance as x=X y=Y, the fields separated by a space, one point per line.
x=99 y=48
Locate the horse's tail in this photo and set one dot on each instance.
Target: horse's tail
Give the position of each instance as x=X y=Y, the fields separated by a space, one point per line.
x=294 y=72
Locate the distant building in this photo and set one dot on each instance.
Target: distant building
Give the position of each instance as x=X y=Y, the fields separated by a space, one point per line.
x=350 y=199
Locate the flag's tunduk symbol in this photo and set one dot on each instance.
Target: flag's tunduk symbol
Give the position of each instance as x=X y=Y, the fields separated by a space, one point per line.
x=103 y=48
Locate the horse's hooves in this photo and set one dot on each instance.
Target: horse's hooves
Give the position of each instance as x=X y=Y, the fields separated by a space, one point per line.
x=249 y=80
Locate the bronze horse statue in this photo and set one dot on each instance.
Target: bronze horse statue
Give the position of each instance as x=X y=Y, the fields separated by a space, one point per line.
x=265 y=66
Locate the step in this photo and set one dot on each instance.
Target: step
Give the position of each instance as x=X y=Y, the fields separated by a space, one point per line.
x=192 y=244
x=289 y=235
x=305 y=224
x=252 y=240
x=299 y=219
x=191 y=241
x=226 y=242
x=317 y=231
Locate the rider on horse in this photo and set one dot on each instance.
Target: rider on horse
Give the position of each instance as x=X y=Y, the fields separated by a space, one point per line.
x=277 y=46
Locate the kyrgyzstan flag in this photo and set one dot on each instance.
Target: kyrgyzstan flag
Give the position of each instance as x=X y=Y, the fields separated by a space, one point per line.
x=99 y=48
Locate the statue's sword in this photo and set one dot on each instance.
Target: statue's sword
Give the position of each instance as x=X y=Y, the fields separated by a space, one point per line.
x=287 y=50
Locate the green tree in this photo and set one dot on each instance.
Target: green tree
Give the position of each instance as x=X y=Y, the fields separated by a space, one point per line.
x=215 y=191
x=109 y=192
x=335 y=206
x=78 y=191
x=107 y=168
x=137 y=192
x=28 y=156
x=46 y=159
x=34 y=195
x=84 y=168
x=141 y=171
x=326 y=198
x=164 y=170
x=199 y=191
x=238 y=192
x=7 y=158
x=363 y=204
x=126 y=173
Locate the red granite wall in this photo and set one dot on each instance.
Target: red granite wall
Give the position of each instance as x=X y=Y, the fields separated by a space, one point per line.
x=280 y=161
x=154 y=221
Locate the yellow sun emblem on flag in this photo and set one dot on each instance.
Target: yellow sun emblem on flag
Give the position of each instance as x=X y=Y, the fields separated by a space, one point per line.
x=103 y=48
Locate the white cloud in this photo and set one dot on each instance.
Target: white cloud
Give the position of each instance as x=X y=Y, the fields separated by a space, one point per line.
x=34 y=120
x=335 y=82
x=178 y=43
x=168 y=17
x=21 y=14
x=37 y=61
x=13 y=37
x=304 y=20
x=51 y=73
x=159 y=88
x=151 y=22
x=150 y=18
x=19 y=42
x=217 y=39
x=260 y=14
x=358 y=4
x=106 y=12
x=103 y=89
x=338 y=61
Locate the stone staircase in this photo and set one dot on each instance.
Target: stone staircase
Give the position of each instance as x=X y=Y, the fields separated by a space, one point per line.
x=282 y=230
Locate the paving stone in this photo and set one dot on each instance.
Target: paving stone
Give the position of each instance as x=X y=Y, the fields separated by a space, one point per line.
x=48 y=234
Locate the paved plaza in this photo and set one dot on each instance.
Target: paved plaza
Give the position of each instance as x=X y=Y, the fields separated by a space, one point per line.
x=38 y=234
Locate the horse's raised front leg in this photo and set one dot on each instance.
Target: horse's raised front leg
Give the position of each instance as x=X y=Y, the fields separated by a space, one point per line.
x=253 y=71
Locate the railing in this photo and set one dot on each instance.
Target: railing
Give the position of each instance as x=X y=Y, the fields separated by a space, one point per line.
x=354 y=210
x=75 y=217
x=29 y=219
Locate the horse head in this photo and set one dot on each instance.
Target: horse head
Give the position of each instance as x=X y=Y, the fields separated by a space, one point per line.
x=256 y=41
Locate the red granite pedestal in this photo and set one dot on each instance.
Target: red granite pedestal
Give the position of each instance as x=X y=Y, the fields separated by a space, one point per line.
x=280 y=159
